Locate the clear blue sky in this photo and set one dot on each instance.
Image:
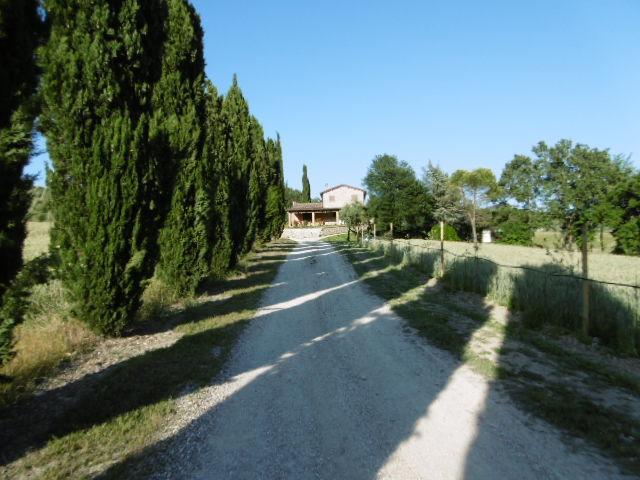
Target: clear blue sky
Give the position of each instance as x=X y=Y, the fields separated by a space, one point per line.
x=463 y=83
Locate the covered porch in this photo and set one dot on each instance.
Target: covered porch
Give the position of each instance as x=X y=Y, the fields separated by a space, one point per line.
x=309 y=214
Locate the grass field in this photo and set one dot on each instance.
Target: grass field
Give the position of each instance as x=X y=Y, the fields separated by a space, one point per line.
x=553 y=240
x=602 y=266
x=547 y=294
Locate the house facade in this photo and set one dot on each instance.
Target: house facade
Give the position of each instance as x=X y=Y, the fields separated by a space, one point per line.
x=326 y=212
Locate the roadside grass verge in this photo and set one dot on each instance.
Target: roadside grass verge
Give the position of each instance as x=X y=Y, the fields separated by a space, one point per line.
x=451 y=326
x=118 y=412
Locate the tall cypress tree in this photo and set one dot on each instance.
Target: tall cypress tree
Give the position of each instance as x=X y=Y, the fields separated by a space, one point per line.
x=275 y=201
x=21 y=31
x=179 y=110
x=220 y=241
x=257 y=186
x=306 y=186
x=101 y=64
x=237 y=133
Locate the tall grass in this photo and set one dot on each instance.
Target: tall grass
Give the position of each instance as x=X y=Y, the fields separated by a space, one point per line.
x=544 y=294
x=47 y=337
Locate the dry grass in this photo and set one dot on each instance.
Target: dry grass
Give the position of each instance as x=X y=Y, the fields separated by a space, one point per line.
x=109 y=437
x=602 y=266
x=543 y=298
x=47 y=337
x=553 y=239
x=37 y=241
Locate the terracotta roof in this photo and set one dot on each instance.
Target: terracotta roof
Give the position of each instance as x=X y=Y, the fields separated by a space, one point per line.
x=304 y=207
x=342 y=185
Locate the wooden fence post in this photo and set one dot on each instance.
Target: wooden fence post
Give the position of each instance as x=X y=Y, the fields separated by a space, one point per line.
x=586 y=285
x=441 y=248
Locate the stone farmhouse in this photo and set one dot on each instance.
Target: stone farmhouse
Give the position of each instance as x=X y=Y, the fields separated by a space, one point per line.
x=326 y=212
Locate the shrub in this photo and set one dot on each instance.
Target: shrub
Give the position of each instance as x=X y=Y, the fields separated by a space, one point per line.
x=450 y=233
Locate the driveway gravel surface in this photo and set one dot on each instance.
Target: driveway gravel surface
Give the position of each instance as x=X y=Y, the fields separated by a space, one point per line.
x=327 y=383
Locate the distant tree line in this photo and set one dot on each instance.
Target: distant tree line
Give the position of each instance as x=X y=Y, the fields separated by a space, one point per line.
x=153 y=169
x=577 y=190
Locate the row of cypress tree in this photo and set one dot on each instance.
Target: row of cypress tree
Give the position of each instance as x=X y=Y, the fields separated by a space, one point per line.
x=153 y=170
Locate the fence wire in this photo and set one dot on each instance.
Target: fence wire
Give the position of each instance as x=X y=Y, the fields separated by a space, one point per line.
x=543 y=296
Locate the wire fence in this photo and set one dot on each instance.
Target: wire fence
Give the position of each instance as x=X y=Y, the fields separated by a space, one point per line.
x=545 y=295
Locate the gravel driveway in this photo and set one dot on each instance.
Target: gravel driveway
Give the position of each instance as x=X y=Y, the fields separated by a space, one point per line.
x=328 y=383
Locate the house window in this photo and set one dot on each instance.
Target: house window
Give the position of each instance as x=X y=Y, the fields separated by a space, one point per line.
x=354 y=198
x=332 y=198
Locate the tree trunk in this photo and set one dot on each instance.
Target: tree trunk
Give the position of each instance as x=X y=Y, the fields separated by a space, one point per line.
x=391 y=228
x=585 y=283
x=602 y=238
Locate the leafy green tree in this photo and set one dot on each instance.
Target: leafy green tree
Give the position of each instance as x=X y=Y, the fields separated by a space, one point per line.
x=21 y=32
x=476 y=187
x=577 y=181
x=179 y=113
x=626 y=200
x=521 y=181
x=306 y=186
x=514 y=226
x=100 y=67
x=396 y=196
x=354 y=215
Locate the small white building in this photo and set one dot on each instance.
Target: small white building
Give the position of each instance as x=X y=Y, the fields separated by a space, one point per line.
x=326 y=212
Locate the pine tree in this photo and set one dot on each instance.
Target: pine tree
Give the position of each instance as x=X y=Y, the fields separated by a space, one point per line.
x=179 y=112
x=101 y=64
x=237 y=134
x=21 y=31
x=306 y=186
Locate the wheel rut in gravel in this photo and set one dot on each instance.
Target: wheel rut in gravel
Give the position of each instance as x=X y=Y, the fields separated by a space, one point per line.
x=326 y=382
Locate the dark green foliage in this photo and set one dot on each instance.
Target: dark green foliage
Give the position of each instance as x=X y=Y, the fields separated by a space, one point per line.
x=15 y=301
x=397 y=197
x=108 y=185
x=446 y=197
x=450 y=234
x=237 y=134
x=521 y=181
x=21 y=31
x=306 y=186
x=220 y=242
x=513 y=225
x=626 y=201
x=476 y=188
x=39 y=211
x=257 y=191
x=576 y=182
x=275 y=201
x=179 y=111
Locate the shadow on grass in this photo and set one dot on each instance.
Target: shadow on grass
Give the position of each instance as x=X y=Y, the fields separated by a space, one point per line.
x=209 y=330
